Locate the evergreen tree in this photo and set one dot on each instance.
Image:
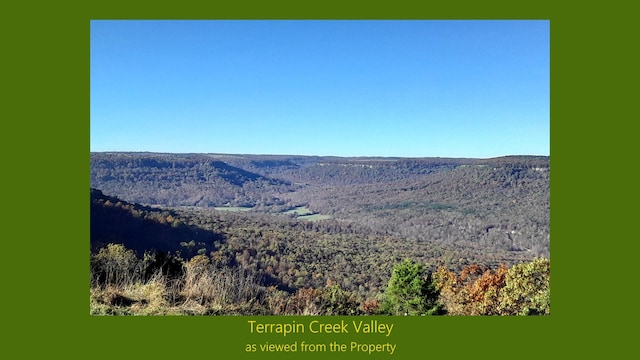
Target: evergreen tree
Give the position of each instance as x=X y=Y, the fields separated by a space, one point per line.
x=409 y=292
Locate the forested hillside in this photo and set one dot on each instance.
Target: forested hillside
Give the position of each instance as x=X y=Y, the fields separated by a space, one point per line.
x=295 y=228
x=149 y=261
x=498 y=208
x=176 y=179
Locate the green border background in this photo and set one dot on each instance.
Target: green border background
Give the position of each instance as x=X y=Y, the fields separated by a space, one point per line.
x=46 y=147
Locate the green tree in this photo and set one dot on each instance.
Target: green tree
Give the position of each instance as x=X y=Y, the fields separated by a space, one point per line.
x=336 y=301
x=410 y=292
x=527 y=289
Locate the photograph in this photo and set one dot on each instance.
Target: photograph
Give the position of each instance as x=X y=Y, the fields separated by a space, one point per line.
x=319 y=168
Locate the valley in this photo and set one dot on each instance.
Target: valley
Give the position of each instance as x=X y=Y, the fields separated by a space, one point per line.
x=292 y=223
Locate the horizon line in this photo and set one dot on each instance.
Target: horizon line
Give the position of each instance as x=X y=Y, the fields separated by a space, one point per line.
x=315 y=155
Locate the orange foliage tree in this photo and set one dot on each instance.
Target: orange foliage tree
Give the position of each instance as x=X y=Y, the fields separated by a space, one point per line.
x=476 y=291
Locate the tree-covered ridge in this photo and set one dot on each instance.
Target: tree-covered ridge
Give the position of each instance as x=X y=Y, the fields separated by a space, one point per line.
x=142 y=228
x=496 y=205
x=181 y=180
x=254 y=180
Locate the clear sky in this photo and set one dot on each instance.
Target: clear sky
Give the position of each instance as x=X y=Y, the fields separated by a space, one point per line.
x=345 y=88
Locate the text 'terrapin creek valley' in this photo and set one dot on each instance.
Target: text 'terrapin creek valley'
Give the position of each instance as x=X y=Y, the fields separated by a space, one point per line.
x=318 y=327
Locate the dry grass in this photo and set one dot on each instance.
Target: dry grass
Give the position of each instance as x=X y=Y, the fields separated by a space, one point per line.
x=201 y=290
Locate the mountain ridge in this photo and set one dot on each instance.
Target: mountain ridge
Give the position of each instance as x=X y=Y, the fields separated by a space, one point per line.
x=242 y=180
x=475 y=203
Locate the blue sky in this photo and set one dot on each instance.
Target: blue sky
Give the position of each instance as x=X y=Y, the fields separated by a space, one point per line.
x=345 y=88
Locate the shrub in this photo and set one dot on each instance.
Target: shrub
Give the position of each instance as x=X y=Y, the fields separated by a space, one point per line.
x=115 y=265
